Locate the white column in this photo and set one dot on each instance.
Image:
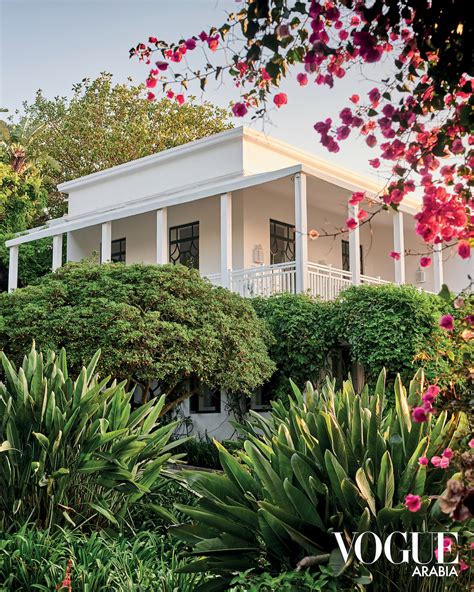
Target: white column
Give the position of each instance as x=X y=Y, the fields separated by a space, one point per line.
x=13 y=269
x=399 y=247
x=106 y=249
x=162 y=243
x=438 y=267
x=226 y=240
x=57 y=251
x=354 y=247
x=301 y=232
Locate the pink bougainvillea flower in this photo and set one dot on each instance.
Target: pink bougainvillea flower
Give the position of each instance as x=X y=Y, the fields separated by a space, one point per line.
x=150 y=96
x=371 y=140
x=162 y=66
x=190 y=44
x=357 y=197
x=362 y=215
x=151 y=82
x=423 y=461
x=239 y=109
x=280 y=99
x=447 y=322
x=471 y=443
x=170 y=94
x=302 y=79
x=213 y=43
x=463 y=565
x=412 y=502
x=464 y=249
x=351 y=223
x=435 y=461
x=425 y=262
x=180 y=99
x=374 y=96
x=395 y=255
x=375 y=163
x=354 y=99
x=472 y=546
x=448 y=453
x=419 y=414
x=444 y=463
x=447 y=546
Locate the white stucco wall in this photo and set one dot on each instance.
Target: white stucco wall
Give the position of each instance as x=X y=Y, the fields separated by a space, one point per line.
x=189 y=170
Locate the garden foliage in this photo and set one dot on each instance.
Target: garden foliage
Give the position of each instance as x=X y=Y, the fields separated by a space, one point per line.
x=153 y=323
x=389 y=326
x=332 y=461
x=71 y=449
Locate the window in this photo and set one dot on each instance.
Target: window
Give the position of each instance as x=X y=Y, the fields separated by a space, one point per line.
x=260 y=400
x=184 y=245
x=207 y=400
x=282 y=242
x=118 y=250
x=346 y=263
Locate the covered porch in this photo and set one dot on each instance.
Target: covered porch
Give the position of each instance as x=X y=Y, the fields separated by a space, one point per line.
x=250 y=234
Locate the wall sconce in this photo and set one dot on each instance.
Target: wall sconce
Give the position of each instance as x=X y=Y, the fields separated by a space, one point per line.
x=420 y=277
x=258 y=254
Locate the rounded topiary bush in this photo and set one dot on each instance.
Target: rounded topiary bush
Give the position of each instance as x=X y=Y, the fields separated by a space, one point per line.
x=152 y=323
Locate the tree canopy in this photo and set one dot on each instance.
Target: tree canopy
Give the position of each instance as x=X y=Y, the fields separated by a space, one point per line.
x=104 y=124
x=152 y=323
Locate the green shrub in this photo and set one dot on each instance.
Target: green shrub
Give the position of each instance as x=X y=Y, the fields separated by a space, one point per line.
x=36 y=560
x=385 y=326
x=153 y=323
x=301 y=338
x=396 y=327
x=287 y=581
x=332 y=461
x=72 y=450
x=201 y=452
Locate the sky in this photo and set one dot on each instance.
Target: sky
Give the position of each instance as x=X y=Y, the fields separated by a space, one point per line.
x=51 y=44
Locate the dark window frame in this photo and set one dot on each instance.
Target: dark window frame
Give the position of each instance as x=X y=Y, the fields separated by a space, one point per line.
x=196 y=399
x=121 y=255
x=345 y=253
x=288 y=238
x=174 y=251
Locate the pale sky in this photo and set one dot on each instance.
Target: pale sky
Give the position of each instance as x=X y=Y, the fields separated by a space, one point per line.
x=51 y=44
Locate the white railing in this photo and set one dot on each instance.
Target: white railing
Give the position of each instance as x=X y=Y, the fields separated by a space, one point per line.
x=265 y=280
x=367 y=279
x=326 y=281
x=214 y=278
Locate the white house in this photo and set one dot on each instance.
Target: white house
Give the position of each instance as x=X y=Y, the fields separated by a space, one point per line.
x=238 y=206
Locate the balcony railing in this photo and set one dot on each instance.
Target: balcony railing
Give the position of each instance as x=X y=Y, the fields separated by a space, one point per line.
x=324 y=281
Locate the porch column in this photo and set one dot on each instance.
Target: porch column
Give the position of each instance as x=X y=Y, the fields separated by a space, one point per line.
x=226 y=240
x=106 y=248
x=162 y=248
x=438 y=267
x=354 y=247
x=399 y=247
x=301 y=232
x=57 y=251
x=13 y=268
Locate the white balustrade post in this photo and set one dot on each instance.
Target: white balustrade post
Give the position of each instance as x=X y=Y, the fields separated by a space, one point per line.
x=226 y=240
x=399 y=247
x=162 y=241
x=13 y=268
x=438 y=267
x=57 y=251
x=301 y=233
x=106 y=246
x=354 y=247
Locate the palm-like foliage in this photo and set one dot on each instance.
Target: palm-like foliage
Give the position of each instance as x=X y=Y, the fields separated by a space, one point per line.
x=73 y=450
x=16 y=141
x=331 y=462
